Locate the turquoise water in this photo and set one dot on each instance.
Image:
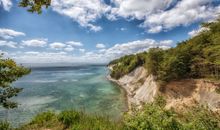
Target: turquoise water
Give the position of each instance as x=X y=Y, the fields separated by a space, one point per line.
x=62 y=88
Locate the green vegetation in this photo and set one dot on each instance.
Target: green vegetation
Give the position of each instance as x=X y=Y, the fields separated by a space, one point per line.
x=126 y=64
x=153 y=117
x=9 y=72
x=198 y=57
x=71 y=120
x=35 y=5
x=4 y=125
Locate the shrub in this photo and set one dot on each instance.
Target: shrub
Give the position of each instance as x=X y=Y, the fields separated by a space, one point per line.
x=69 y=118
x=4 y=125
x=44 y=118
x=154 y=116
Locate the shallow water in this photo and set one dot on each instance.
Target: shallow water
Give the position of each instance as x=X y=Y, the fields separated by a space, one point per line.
x=62 y=88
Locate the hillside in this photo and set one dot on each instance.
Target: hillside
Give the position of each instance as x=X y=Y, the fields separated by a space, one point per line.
x=198 y=57
x=187 y=75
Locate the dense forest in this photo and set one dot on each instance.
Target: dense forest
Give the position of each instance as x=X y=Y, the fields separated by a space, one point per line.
x=198 y=57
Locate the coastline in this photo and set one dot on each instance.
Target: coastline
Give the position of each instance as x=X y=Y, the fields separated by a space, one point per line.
x=126 y=95
x=140 y=88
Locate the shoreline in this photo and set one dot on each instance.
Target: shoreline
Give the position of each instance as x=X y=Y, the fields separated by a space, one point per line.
x=126 y=94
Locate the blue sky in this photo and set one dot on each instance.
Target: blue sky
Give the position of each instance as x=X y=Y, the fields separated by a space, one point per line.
x=97 y=31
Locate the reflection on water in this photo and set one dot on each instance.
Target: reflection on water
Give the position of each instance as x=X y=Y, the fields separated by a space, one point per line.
x=81 y=88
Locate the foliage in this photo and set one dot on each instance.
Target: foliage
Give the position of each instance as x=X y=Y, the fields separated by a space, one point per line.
x=42 y=121
x=71 y=120
x=125 y=65
x=154 y=57
x=35 y=5
x=201 y=118
x=9 y=72
x=198 y=57
x=43 y=118
x=155 y=117
x=4 y=125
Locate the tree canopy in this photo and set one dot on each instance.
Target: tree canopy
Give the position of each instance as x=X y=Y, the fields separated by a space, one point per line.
x=35 y=5
x=9 y=72
x=197 y=57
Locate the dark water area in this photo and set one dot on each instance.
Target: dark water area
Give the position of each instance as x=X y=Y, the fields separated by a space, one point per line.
x=82 y=88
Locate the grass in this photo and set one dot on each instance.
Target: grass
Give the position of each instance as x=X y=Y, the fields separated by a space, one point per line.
x=70 y=120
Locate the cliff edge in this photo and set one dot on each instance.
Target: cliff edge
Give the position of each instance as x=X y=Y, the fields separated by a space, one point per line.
x=142 y=87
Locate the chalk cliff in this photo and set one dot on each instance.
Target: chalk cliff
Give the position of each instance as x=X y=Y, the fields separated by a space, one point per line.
x=142 y=87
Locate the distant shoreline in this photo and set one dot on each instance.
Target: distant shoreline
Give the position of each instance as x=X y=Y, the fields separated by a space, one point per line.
x=60 y=65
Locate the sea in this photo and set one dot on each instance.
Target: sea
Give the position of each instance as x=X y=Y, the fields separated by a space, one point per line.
x=81 y=88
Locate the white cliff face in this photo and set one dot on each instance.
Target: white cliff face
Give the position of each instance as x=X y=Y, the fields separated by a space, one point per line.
x=140 y=87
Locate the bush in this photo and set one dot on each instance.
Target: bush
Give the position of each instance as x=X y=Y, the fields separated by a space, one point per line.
x=44 y=118
x=200 y=118
x=155 y=117
x=69 y=118
x=4 y=125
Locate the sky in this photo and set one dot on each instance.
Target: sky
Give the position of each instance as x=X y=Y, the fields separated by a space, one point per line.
x=98 y=31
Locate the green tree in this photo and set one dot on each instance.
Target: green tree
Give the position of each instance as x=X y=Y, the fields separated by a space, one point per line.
x=9 y=72
x=154 y=59
x=35 y=5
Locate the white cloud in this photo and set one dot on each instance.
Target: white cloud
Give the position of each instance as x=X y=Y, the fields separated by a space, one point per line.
x=35 y=42
x=68 y=48
x=57 y=45
x=164 y=15
x=139 y=9
x=157 y=15
x=100 y=45
x=134 y=47
x=156 y=29
x=9 y=33
x=184 y=13
x=196 y=32
x=118 y=50
x=10 y=44
x=75 y=44
x=6 y=4
x=85 y=12
x=32 y=53
x=166 y=42
x=82 y=50
x=99 y=56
